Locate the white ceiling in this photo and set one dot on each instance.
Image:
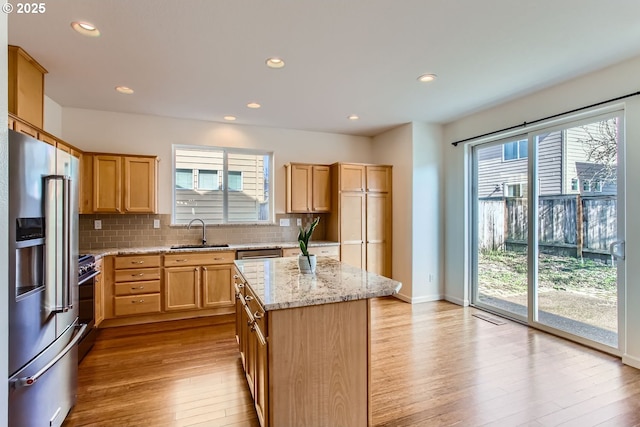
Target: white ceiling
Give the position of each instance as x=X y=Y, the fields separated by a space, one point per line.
x=203 y=59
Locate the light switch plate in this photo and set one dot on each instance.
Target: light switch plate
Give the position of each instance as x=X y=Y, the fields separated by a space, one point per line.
x=156 y=223
x=97 y=224
x=284 y=222
x=299 y=222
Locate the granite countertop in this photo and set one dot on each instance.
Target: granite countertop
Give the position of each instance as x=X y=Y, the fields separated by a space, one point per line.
x=151 y=250
x=278 y=283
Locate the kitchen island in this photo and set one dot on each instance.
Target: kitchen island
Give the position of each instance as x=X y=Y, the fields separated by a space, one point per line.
x=305 y=340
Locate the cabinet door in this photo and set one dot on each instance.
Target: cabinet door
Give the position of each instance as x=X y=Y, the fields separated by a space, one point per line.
x=51 y=141
x=321 y=198
x=261 y=398
x=107 y=183
x=378 y=178
x=352 y=229
x=217 y=286
x=300 y=188
x=26 y=129
x=181 y=288
x=352 y=177
x=251 y=343
x=379 y=234
x=140 y=184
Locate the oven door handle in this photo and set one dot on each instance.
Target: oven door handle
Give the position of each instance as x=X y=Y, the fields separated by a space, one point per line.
x=91 y=276
x=31 y=380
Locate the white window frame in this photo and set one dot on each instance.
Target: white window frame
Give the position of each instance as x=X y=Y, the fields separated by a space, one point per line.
x=520 y=156
x=226 y=151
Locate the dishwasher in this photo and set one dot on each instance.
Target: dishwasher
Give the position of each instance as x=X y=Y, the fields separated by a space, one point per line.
x=259 y=253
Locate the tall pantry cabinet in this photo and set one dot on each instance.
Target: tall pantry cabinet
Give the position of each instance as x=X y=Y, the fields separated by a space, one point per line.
x=361 y=217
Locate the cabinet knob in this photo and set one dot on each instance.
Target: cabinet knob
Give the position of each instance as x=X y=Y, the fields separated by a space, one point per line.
x=235 y=276
x=240 y=285
x=218 y=259
x=258 y=315
x=137 y=275
x=137 y=262
x=248 y=298
x=137 y=287
x=139 y=301
x=182 y=260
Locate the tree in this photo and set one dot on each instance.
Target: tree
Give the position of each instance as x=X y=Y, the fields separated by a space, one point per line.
x=600 y=146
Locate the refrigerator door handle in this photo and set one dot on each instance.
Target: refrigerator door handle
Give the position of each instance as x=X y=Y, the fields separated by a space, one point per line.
x=65 y=288
x=32 y=379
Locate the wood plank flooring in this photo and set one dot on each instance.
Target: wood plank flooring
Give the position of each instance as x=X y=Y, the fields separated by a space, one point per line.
x=434 y=364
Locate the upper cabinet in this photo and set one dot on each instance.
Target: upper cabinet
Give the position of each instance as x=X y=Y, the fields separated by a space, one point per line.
x=121 y=184
x=26 y=86
x=361 y=178
x=308 y=188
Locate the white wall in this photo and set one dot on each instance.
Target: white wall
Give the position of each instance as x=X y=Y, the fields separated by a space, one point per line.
x=608 y=83
x=394 y=148
x=92 y=130
x=428 y=212
x=415 y=152
x=52 y=117
x=4 y=236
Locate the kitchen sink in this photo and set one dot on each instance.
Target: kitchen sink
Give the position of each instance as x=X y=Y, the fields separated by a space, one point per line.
x=199 y=246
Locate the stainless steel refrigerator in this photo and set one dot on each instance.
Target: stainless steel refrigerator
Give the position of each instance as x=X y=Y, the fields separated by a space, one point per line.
x=43 y=282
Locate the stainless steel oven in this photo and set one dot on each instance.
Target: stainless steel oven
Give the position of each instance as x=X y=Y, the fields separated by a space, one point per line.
x=86 y=295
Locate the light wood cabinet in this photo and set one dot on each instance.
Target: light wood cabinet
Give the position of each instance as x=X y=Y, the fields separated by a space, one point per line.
x=181 y=288
x=26 y=129
x=332 y=251
x=123 y=184
x=196 y=280
x=308 y=188
x=362 y=219
x=136 y=287
x=304 y=364
x=99 y=294
x=217 y=288
x=26 y=86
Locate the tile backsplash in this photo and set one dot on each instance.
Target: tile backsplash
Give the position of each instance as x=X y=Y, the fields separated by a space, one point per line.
x=128 y=231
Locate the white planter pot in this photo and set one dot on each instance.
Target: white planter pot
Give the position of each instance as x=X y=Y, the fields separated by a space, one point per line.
x=303 y=264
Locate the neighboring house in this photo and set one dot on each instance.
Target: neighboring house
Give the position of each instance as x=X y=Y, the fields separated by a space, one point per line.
x=563 y=164
x=200 y=180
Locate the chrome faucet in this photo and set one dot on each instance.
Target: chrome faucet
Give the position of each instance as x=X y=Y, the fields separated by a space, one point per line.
x=204 y=229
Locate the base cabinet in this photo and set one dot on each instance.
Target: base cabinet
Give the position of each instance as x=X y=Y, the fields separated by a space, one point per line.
x=150 y=288
x=305 y=366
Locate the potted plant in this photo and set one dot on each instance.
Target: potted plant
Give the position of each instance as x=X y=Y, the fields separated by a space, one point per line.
x=307 y=262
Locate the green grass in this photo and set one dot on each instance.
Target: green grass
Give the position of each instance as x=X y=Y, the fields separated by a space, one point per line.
x=506 y=272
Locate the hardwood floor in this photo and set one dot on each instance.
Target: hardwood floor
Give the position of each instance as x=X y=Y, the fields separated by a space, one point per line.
x=434 y=364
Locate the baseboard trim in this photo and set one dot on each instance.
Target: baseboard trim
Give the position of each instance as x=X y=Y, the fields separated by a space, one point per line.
x=418 y=300
x=458 y=301
x=634 y=362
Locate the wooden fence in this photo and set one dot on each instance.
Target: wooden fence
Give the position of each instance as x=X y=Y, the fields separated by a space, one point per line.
x=567 y=224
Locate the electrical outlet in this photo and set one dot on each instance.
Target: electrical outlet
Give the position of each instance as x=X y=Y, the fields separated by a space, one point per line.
x=299 y=222
x=284 y=222
x=97 y=224
x=156 y=223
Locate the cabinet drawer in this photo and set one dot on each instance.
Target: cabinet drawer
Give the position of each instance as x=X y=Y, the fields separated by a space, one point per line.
x=256 y=310
x=137 y=261
x=287 y=252
x=139 y=304
x=199 y=258
x=136 y=288
x=332 y=251
x=137 y=275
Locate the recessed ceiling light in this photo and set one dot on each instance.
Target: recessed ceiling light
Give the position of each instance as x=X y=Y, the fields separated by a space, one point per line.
x=124 y=89
x=427 y=78
x=275 y=63
x=353 y=117
x=85 y=28
x=254 y=105
x=230 y=118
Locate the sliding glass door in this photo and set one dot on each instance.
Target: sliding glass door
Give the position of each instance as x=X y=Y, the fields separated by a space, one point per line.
x=547 y=231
